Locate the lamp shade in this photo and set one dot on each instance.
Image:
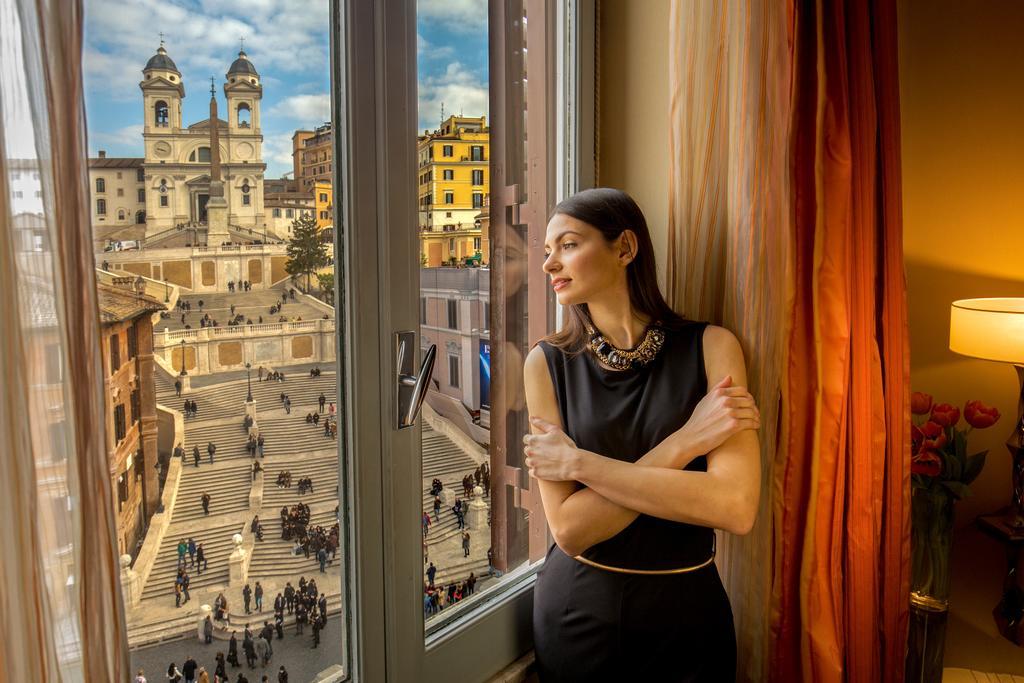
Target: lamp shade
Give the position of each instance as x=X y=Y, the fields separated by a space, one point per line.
x=991 y=329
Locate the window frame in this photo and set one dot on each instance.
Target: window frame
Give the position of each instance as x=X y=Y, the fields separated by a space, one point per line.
x=374 y=92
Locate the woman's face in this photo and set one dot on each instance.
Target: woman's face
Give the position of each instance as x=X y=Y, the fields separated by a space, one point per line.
x=580 y=263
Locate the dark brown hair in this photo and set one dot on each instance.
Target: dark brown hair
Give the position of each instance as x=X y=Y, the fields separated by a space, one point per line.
x=611 y=212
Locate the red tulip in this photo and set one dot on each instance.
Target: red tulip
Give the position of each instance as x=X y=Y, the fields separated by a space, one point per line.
x=916 y=439
x=920 y=403
x=934 y=437
x=979 y=415
x=927 y=463
x=945 y=414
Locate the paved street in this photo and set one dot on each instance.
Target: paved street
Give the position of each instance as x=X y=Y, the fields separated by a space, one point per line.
x=294 y=652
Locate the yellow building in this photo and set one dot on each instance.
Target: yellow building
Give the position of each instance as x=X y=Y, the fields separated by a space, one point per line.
x=322 y=200
x=454 y=184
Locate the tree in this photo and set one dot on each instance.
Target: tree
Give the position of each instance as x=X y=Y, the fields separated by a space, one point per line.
x=327 y=285
x=306 y=253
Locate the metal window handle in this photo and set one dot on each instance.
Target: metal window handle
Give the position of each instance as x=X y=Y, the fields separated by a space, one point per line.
x=412 y=389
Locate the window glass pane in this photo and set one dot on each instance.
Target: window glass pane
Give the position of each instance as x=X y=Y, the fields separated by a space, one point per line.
x=481 y=521
x=222 y=399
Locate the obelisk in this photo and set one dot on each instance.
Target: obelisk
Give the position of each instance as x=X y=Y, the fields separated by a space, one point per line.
x=217 y=206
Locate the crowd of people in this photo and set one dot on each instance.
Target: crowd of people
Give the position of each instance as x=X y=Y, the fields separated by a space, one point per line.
x=436 y=598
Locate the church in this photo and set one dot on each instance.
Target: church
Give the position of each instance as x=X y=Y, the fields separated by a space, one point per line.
x=169 y=190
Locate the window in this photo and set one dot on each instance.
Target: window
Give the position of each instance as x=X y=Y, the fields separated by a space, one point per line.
x=18 y=194
x=277 y=213
x=478 y=200
x=476 y=243
x=140 y=175
x=101 y=185
x=163 y=200
x=120 y=214
x=136 y=407
x=323 y=196
x=323 y=215
x=140 y=217
x=447 y=151
x=451 y=247
x=453 y=312
x=101 y=207
x=246 y=200
x=447 y=214
x=478 y=176
x=133 y=342
x=39 y=193
x=453 y=371
x=202 y=155
x=449 y=174
x=243 y=116
x=160 y=114
x=119 y=423
x=449 y=197
x=141 y=196
x=289 y=213
x=118 y=175
x=115 y=353
x=477 y=153
x=122 y=491
x=120 y=190
x=423 y=310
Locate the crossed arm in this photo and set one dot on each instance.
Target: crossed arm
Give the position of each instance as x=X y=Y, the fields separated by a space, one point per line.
x=725 y=497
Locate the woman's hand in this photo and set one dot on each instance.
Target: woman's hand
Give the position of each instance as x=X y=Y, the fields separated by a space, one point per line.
x=550 y=455
x=724 y=411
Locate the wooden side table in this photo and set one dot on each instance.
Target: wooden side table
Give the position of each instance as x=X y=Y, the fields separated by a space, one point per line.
x=1009 y=613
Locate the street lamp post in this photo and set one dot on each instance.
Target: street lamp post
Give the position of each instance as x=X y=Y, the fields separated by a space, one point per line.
x=167 y=292
x=183 y=373
x=248 y=377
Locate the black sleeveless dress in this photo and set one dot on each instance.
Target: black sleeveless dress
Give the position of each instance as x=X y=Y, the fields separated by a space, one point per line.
x=592 y=624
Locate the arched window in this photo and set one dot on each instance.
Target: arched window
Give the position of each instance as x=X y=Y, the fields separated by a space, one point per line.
x=140 y=217
x=160 y=115
x=244 y=115
x=203 y=155
x=120 y=214
x=101 y=185
x=101 y=207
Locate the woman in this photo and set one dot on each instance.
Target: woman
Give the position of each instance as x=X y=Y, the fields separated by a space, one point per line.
x=643 y=441
x=173 y=675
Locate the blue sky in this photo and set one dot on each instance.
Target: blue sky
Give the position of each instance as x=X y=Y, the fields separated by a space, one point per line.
x=288 y=43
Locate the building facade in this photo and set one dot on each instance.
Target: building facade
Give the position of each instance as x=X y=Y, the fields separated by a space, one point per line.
x=454 y=184
x=170 y=185
x=129 y=401
x=313 y=156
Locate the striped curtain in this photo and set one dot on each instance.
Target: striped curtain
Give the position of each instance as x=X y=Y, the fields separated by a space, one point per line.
x=729 y=218
x=61 y=615
x=785 y=227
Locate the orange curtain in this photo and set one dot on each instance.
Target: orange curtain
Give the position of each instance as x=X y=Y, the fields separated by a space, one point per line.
x=841 y=593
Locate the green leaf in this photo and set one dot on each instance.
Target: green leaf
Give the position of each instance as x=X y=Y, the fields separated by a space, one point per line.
x=958 y=489
x=960 y=441
x=974 y=465
x=952 y=467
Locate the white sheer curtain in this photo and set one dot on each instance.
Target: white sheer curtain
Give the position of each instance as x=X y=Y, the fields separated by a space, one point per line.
x=61 y=617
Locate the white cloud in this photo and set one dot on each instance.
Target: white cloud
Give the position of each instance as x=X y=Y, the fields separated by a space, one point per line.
x=277 y=153
x=427 y=50
x=127 y=136
x=460 y=91
x=461 y=16
x=311 y=110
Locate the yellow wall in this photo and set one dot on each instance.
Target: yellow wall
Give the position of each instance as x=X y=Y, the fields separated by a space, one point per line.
x=633 y=109
x=962 y=91
x=319 y=188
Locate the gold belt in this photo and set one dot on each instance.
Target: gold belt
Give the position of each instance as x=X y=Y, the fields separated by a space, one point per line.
x=679 y=570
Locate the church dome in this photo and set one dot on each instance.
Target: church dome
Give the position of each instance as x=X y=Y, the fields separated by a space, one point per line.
x=242 y=66
x=161 y=61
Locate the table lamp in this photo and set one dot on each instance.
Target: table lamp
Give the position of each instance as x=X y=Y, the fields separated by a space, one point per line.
x=993 y=329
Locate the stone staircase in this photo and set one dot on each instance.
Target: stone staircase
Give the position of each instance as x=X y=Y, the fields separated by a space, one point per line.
x=272 y=559
x=228 y=486
x=217 y=545
x=226 y=401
